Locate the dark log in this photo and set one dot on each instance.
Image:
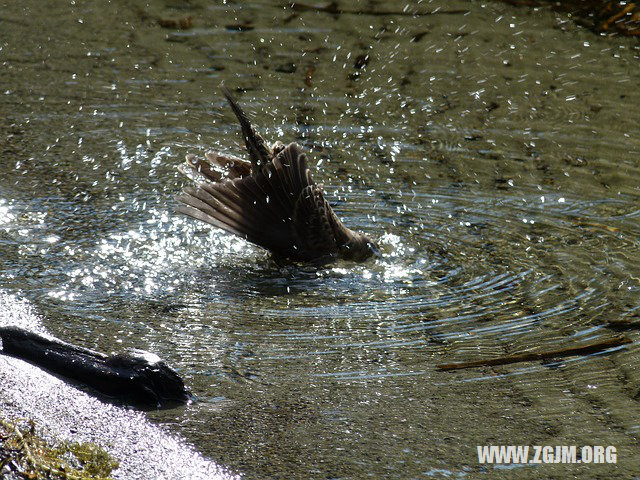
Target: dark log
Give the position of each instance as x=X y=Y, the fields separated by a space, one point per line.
x=136 y=378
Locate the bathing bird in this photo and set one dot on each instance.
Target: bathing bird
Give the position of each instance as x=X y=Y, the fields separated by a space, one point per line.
x=270 y=200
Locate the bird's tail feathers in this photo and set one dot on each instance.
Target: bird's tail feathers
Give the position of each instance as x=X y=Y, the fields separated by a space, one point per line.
x=258 y=152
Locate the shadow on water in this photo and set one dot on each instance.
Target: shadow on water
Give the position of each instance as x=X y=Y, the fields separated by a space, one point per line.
x=490 y=150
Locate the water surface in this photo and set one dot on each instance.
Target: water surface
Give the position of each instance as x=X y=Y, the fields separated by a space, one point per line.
x=492 y=150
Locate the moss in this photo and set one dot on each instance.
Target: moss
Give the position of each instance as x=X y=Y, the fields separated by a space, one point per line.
x=23 y=454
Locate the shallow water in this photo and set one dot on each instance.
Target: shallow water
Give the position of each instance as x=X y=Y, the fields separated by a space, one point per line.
x=493 y=151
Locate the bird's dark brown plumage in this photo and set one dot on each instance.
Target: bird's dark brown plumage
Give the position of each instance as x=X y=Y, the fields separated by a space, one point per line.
x=271 y=201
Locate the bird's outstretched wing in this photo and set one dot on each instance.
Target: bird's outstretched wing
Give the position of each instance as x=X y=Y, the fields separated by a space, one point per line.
x=280 y=209
x=215 y=167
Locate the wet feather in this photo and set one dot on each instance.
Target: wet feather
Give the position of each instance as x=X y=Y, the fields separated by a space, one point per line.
x=271 y=201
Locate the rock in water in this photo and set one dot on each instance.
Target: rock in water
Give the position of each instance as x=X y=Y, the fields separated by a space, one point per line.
x=137 y=377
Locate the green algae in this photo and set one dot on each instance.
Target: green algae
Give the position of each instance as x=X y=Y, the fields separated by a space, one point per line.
x=24 y=454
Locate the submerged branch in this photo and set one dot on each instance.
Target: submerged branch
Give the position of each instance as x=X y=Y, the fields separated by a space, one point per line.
x=334 y=9
x=589 y=348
